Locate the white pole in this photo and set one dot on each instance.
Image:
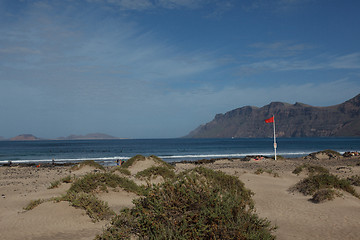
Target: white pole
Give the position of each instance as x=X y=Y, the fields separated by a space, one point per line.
x=275 y=145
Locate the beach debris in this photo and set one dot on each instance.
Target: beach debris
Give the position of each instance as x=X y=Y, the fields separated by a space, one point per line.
x=351 y=154
x=3 y=195
x=258 y=158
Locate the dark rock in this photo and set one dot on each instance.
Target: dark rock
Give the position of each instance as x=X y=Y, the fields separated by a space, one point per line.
x=292 y=120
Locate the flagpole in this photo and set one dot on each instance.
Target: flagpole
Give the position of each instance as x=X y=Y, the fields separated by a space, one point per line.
x=275 y=145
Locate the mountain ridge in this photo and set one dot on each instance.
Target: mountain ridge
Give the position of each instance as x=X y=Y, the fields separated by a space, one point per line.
x=292 y=120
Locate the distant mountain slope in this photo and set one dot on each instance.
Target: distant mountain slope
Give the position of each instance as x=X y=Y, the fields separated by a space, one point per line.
x=292 y=120
x=89 y=136
x=24 y=137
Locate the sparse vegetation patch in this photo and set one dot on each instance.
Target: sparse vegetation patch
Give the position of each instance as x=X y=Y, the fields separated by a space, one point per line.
x=54 y=184
x=323 y=195
x=153 y=172
x=198 y=204
x=311 y=184
x=67 y=179
x=311 y=169
x=33 y=204
x=269 y=171
x=124 y=171
x=354 y=180
x=100 y=181
x=132 y=160
x=330 y=154
x=95 y=208
x=90 y=163
x=82 y=193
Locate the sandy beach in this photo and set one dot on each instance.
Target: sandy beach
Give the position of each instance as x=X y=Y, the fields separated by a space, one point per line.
x=295 y=216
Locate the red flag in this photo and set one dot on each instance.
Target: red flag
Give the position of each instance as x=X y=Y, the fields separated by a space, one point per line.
x=270 y=120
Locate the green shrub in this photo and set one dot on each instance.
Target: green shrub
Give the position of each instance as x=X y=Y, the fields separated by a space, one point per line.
x=137 y=158
x=132 y=160
x=312 y=169
x=311 y=184
x=95 y=208
x=54 y=184
x=99 y=181
x=269 y=171
x=331 y=152
x=33 y=204
x=323 y=195
x=122 y=170
x=82 y=193
x=354 y=180
x=156 y=171
x=67 y=179
x=259 y=171
x=276 y=174
x=90 y=163
x=162 y=162
x=198 y=204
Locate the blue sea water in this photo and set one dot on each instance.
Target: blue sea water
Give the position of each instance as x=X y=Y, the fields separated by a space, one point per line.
x=170 y=150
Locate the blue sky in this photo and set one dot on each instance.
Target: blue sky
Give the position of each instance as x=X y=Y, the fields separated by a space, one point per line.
x=160 y=68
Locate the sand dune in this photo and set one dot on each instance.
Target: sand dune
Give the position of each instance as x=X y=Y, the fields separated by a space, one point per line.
x=293 y=213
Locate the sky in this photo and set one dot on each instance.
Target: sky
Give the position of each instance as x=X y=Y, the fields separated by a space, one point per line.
x=161 y=68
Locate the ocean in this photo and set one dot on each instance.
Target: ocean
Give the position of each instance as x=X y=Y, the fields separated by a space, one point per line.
x=170 y=150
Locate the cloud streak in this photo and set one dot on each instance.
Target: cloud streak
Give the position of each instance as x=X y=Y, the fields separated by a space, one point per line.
x=93 y=66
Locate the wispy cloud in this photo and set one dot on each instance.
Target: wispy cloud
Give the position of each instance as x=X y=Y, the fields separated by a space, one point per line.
x=141 y=5
x=91 y=63
x=274 y=6
x=281 y=56
x=348 y=61
x=279 y=49
x=115 y=55
x=218 y=7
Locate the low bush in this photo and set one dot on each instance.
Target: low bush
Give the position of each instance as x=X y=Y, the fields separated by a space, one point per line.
x=311 y=184
x=54 y=184
x=82 y=193
x=311 y=169
x=197 y=204
x=90 y=163
x=148 y=173
x=67 y=179
x=331 y=152
x=323 y=195
x=162 y=162
x=137 y=158
x=100 y=181
x=122 y=170
x=269 y=171
x=95 y=208
x=354 y=180
x=33 y=204
x=328 y=152
x=132 y=160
